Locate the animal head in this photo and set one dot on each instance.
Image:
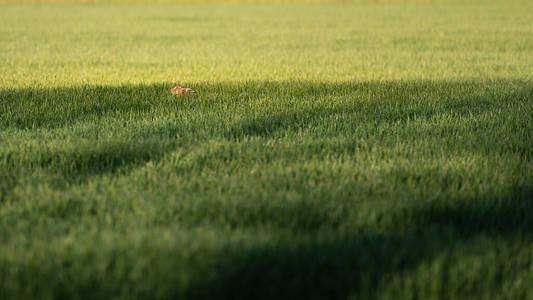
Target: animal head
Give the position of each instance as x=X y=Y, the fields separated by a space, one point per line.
x=176 y=90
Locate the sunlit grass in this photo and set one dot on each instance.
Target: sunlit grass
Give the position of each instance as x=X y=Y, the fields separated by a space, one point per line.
x=333 y=150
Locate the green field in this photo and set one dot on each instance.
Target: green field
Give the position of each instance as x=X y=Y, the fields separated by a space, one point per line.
x=345 y=150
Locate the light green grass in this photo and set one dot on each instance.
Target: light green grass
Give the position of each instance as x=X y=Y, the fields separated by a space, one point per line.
x=333 y=151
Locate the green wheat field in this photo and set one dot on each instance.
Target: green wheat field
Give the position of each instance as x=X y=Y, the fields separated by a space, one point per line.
x=336 y=150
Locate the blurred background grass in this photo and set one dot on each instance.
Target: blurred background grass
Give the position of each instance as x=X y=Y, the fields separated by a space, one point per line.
x=341 y=150
x=112 y=44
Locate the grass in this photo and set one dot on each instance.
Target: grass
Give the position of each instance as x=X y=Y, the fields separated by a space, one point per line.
x=334 y=150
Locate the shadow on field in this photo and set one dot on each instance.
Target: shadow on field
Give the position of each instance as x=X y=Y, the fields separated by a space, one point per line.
x=294 y=105
x=30 y=108
x=358 y=265
x=320 y=268
x=280 y=106
x=77 y=165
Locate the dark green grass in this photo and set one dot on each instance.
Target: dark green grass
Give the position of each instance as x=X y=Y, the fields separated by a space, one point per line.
x=399 y=189
x=334 y=150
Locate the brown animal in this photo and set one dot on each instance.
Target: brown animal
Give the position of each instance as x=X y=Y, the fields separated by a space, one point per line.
x=179 y=91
